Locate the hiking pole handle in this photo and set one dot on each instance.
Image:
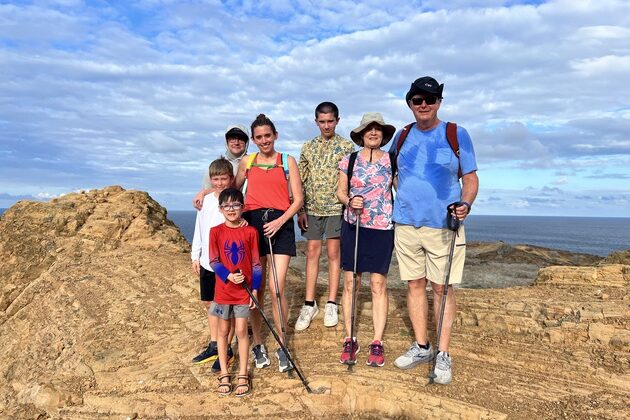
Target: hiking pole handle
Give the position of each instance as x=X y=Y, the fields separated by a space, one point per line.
x=277 y=337
x=357 y=212
x=452 y=221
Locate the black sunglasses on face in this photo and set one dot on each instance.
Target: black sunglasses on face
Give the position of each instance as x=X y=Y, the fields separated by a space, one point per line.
x=430 y=100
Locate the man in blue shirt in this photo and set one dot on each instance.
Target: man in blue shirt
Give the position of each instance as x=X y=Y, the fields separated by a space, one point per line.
x=428 y=183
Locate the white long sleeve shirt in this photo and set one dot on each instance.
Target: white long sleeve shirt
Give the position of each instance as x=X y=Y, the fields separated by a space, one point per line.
x=208 y=217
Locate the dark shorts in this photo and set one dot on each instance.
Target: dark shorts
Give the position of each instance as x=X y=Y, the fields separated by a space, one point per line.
x=283 y=241
x=207 y=280
x=375 y=249
x=322 y=226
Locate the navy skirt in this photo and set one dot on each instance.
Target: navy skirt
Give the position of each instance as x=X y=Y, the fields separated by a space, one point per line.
x=375 y=249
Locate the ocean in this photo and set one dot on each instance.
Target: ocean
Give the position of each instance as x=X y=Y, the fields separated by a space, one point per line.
x=590 y=235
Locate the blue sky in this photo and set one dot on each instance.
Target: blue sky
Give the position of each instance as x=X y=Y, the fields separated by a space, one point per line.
x=139 y=93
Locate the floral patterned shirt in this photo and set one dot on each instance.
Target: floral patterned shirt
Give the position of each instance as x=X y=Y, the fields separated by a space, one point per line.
x=373 y=181
x=318 y=166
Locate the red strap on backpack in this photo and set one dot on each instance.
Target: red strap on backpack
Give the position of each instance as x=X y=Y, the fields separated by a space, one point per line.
x=451 y=138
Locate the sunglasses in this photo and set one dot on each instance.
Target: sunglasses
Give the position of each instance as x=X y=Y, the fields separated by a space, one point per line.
x=430 y=100
x=233 y=206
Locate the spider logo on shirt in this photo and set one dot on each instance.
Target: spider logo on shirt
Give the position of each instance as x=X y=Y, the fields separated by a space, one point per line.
x=234 y=252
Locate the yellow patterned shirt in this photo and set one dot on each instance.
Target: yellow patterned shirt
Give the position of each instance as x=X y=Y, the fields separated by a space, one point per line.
x=319 y=170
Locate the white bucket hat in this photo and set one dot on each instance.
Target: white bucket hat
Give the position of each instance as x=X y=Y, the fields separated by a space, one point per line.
x=367 y=119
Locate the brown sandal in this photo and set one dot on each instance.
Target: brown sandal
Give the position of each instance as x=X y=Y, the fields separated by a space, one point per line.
x=247 y=385
x=224 y=384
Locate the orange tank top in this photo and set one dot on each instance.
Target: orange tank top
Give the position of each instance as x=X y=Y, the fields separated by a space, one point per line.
x=267 y=187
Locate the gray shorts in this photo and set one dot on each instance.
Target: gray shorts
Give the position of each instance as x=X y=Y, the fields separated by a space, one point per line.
x=225 y=311
x=322 y=226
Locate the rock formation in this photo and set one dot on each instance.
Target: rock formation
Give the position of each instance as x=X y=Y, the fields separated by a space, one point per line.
x=99 y=317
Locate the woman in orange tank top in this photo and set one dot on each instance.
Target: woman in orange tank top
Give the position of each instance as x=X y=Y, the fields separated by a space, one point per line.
x=269 y=208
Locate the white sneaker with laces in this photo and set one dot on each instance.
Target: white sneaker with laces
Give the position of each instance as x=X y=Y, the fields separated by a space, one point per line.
x=443 y=374
x=307 y=313
x=414 y=356
x=331 y=318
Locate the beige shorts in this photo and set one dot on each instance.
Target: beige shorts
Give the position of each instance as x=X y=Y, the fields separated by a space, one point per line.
x=423 y=252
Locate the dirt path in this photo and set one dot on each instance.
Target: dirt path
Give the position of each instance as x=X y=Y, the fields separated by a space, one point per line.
x=102 y=328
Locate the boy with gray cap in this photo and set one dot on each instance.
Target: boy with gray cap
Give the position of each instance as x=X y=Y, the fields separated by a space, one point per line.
x=236 y=143
x=428 y=184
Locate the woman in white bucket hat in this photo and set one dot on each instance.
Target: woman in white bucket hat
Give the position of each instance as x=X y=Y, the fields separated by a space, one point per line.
x=367 y=191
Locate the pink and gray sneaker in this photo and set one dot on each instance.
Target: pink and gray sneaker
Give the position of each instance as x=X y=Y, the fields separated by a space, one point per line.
x=349 y=353
x=376 y=357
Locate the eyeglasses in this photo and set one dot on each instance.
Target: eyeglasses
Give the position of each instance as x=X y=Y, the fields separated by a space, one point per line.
x=236 y=139
x=430 y=100
x=233 y=206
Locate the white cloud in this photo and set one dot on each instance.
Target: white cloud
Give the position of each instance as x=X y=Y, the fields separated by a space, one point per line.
x=520 y=204
x=117 y=92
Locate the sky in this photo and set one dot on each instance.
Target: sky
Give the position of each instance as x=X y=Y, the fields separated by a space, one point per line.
x=138 y=94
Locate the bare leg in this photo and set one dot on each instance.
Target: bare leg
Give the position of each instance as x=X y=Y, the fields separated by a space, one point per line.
x=231 y=333
x=282 y=265
x=346 y=299
x=213 y=321
x=243 y=350
x=334 y=264
x=449 y=313
x=313 y=252
x=256 y=318
x=378 y=285
x=418 y=308
x=222 y=343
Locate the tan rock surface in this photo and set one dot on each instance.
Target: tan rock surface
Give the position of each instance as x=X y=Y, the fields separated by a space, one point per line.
x=99 y=317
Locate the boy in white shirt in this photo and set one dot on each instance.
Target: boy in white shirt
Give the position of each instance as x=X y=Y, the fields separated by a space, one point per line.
x=221 y=177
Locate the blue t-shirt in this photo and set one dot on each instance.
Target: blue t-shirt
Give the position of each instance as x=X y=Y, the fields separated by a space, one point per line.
x=427 y=175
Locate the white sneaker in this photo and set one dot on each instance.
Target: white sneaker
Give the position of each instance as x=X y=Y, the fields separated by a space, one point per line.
x=443 y=374
x=414 y=356
x=307 y=313
x=260 y=356
x=330 y=315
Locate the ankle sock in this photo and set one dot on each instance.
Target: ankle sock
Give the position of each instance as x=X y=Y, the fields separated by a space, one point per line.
x=424 y=346
x=330 y=301
x=310 y=303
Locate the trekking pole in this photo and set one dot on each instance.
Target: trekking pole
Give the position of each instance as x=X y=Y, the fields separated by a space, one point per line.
x=353 y=359
x=453 y=224
x=265 y=219
x=275 y=335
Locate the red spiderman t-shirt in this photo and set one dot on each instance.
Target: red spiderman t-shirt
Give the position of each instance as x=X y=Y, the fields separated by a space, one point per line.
x=232 y=249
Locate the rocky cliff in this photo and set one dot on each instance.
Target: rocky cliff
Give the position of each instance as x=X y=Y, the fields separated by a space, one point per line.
x=99 y=317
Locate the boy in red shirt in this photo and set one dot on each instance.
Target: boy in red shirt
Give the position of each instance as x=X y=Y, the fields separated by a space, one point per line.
x=235 y=259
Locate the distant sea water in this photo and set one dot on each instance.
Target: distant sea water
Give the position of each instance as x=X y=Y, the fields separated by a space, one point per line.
x=590 y=235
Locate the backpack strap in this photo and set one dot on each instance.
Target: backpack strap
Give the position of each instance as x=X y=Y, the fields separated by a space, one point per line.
x=451 y=137
x=285 y=164
x=351 y=160
x=394 y=163
x=250 y=161
x=285 y=167
x=401 y=139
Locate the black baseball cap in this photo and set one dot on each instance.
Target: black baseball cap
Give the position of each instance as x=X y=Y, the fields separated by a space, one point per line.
x=238 y=131
x=425 y=85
